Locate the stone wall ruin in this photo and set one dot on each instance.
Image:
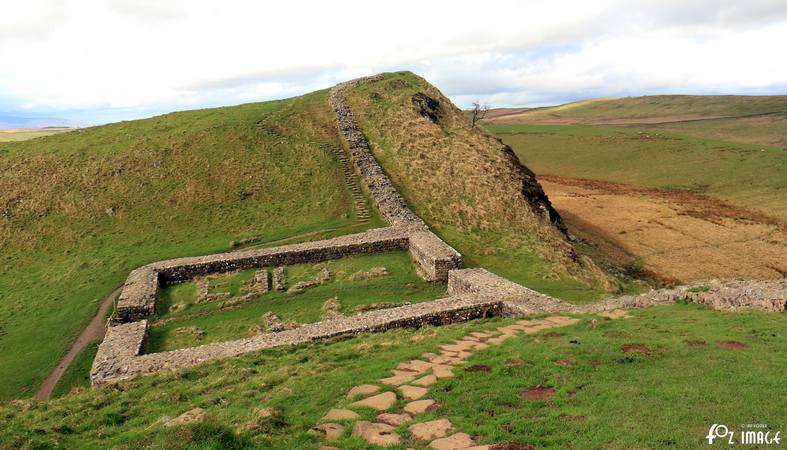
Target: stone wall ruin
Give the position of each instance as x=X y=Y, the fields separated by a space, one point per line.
x=472 y=293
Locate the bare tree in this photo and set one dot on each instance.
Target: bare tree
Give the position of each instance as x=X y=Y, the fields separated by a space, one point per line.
x=478 y=112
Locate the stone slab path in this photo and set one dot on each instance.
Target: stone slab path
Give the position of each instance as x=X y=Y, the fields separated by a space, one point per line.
x=410 y=381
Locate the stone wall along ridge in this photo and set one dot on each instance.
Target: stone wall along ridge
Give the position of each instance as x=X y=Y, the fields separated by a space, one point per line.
x=433 y=255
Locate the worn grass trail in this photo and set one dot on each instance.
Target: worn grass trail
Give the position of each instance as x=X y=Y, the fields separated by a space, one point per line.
x=93 y=333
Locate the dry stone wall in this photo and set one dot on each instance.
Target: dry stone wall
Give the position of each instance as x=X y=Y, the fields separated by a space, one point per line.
x=432 y=254
x=385 y=196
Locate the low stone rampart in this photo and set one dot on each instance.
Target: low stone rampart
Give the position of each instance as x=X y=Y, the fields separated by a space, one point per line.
x=433 y=255
x=518 y=299
x=722 y=295
x=112 y=364
x=137 y=300
x=385 y=196
x=372 y=241
x=122 y=344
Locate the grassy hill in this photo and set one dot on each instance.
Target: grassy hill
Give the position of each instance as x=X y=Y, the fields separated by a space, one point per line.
x=469 y=188
x=648 y=109
x=79 y=210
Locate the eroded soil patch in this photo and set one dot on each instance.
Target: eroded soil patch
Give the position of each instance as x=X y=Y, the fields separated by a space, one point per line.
x=636 y=348
x=478 y=368
x=732 y=345
x=538 y=393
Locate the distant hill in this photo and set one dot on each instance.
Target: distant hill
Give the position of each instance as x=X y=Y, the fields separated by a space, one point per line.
x=644 y=110
x=8 y=121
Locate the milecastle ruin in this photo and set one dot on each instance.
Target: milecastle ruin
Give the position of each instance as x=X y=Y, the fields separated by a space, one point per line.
x=472 y=293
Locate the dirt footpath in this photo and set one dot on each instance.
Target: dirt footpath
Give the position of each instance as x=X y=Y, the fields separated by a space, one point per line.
x=94 y=332
x=678 y=236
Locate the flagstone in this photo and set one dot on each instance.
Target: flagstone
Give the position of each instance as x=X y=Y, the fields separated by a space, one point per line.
x=394 y=419
x=430 y=430
x=426 y=381
x=399 y=377
x=340 y=414
x=454 y=442
x=380 y=402
x=380 y=434
x=420 y=406
x=363 y=389
x=413 y=392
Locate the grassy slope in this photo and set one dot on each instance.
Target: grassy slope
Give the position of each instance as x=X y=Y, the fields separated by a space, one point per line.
x=461 y=183
x=748 y=175
x=770 y=130
x=667 y=400
x=79 y=210
x=402 y=284
x=271 y=399
x=656 y=106
x=78 y=373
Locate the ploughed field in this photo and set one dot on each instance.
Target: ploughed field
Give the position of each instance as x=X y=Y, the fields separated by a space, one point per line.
x=350 y=285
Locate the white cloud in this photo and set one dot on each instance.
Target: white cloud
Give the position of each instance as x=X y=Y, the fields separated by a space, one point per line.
x=121 y=58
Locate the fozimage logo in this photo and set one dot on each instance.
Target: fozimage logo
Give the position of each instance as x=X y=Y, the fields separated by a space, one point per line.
x=750 y=434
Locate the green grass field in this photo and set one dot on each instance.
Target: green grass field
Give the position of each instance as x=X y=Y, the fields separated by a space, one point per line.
x=748 y=175
x=657 y=108
x=402 y=284
x=79 y=210
x=78 y=373
x=271 y=399
x=770 y=130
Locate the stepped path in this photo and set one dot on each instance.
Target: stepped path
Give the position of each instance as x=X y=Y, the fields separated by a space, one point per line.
x=362 y=212
x=411 y=381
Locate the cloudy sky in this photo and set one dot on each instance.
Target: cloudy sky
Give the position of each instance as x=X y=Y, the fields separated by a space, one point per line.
x=99 y=61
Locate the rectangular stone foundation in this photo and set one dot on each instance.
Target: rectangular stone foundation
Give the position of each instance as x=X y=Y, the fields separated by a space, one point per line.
x=114 y=362
x=138 y=298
